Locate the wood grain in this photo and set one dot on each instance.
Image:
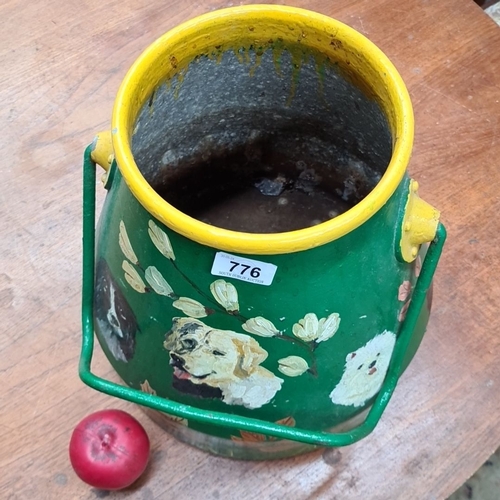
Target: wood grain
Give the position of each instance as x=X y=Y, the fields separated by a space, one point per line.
x=62 y=62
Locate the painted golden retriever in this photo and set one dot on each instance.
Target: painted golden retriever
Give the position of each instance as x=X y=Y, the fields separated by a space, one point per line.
x=226 y=363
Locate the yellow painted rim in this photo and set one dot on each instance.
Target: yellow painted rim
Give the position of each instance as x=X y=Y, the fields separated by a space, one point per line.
x=171 y=53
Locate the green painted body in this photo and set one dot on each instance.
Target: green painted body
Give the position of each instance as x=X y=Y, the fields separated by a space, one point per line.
x=357 y=276
x=407 y=342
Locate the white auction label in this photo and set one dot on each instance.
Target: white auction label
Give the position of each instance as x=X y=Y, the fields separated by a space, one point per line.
x=240 y=268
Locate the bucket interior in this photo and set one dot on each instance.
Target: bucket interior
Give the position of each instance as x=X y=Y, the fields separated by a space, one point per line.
x=262 y=138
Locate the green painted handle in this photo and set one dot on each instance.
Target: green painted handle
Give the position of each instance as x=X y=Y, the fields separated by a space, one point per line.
x=225 y=419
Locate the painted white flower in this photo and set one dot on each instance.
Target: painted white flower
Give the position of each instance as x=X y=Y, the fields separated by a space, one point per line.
x=190 y=307
x=161 y=240
x=226 y=295
x=292 y=366
x=307 y=328
x=328 y=327
x=157 y=282
x=125 y=244
x=133 y=278
x=260 y=326
x=311 y=329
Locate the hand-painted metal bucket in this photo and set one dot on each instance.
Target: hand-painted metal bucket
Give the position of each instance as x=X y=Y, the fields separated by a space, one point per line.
x=258 y=344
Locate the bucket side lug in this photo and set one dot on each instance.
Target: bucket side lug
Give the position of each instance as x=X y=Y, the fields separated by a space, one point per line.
x=102 y=153
x=420 y=222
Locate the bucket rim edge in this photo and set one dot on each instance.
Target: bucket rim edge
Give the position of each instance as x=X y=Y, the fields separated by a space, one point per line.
x=264 y=243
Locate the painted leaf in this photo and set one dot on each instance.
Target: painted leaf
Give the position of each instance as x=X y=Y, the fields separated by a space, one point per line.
x=418 y=266
x=404 y=291
x=226 y=295
x=292 y=366
x=125 y=244
x=190 y=307
x=260 y=326
x=157 y=282
x=133 y=278
x=146 y=387
x=161 y=240
x=252 y=437
x=287 y=421
x=177 y=420
x=403 y=311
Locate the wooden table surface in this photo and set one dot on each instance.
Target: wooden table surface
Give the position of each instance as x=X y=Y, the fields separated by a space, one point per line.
x=61 y=64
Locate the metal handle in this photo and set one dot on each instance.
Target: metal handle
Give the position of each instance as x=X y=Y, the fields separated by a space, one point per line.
x=225 y=419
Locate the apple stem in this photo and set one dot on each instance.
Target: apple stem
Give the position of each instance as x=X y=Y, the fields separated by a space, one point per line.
x=106 y=440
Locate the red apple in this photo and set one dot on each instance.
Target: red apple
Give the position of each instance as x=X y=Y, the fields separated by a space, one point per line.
x=109 y=449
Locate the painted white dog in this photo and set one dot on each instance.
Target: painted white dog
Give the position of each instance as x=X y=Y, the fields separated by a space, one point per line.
x=221 y=359
x=364 y=371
